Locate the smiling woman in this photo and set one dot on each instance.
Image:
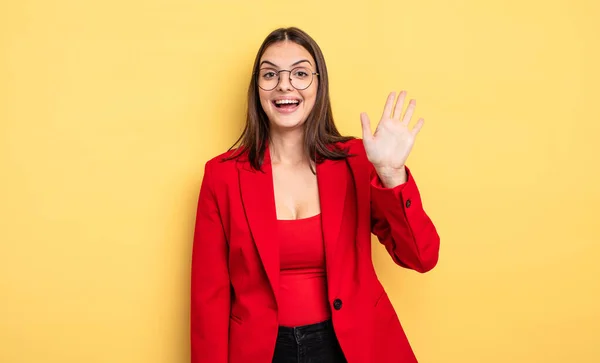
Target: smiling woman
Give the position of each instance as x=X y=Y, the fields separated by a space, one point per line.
x=289 y=66
x=281 y=265
x=280 y=69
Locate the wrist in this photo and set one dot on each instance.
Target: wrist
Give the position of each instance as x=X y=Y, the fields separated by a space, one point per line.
x=391 y=177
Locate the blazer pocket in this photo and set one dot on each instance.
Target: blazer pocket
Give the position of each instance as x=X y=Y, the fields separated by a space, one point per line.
x=383 y=307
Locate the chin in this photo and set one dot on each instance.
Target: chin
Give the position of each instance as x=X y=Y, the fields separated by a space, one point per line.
x=287 y=122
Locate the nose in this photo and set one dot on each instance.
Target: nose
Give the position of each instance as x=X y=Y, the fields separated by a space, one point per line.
x=284 y=81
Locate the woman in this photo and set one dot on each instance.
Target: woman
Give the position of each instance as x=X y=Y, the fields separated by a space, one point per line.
x=281 y=263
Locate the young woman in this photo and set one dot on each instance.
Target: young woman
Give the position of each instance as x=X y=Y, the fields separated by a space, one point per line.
x=281 y=263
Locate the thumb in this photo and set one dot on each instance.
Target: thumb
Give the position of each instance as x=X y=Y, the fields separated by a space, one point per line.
x=366 y=127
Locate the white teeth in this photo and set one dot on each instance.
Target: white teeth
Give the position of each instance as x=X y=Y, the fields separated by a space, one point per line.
x=283 y=102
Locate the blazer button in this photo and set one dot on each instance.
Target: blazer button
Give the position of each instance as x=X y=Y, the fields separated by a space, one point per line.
x=337 y=304
x=408 y=202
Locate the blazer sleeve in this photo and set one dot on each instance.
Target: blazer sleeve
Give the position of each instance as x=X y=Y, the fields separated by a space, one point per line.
x=210 y=284
x=402 y=226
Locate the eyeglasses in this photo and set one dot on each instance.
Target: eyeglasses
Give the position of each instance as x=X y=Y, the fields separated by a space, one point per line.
x=300 y=78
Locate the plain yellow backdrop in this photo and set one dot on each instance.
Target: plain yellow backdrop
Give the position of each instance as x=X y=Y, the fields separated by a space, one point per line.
x=109 y=109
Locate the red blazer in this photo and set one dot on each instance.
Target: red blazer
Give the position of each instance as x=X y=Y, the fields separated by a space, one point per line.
x=235 y=261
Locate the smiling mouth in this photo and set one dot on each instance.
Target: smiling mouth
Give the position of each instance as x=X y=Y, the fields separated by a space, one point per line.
x=286 y=105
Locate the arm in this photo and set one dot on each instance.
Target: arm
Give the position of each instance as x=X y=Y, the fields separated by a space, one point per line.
x=402 y=226
x=210 y=285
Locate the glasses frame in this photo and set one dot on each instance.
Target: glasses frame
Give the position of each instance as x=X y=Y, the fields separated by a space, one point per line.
x=290 y=78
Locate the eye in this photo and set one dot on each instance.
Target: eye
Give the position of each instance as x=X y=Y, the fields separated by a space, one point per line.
x=301 y=73
x=267 y=73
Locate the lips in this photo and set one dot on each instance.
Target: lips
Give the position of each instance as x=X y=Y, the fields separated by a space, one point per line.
x=286 y=105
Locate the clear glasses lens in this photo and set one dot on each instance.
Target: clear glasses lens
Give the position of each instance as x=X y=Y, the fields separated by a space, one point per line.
x=299 y=77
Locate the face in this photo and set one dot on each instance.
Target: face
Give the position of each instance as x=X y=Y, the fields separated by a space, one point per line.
x=285 y=106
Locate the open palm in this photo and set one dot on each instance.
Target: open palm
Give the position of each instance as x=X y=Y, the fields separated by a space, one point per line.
x=392 y=142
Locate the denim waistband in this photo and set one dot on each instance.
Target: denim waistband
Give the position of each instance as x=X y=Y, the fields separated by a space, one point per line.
x=326 y=325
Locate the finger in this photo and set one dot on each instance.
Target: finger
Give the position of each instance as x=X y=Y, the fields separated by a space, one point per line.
x=399 y=105
x=409 y=111
x=389 y=104
x=415 y=130
x=366 y=126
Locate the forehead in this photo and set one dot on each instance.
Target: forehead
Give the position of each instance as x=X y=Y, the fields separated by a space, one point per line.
x=286 y=53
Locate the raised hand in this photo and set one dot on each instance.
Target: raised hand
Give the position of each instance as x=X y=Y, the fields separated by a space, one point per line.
x=392 y=142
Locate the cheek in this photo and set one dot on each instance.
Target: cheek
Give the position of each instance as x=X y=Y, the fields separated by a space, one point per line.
x=313 y=90
x=264 y=101
x=310 y=97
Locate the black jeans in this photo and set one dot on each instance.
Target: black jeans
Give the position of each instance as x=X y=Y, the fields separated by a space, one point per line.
x=315 y=343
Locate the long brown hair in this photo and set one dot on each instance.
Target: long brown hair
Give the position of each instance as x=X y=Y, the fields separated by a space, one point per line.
x=319 y=129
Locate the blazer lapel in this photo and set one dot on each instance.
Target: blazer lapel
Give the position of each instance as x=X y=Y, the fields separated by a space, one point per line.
x=332 y=182
x=258 y=199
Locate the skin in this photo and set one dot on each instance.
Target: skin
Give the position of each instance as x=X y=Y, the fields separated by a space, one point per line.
x=287 y=55
x=389 y=148
x=295 y=186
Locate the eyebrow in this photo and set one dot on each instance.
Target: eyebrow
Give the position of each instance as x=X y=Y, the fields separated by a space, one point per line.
x=295 y=64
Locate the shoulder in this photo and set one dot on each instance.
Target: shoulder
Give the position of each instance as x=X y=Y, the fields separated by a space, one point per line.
x=357 y=156
x=355 y=149
x=222 y=165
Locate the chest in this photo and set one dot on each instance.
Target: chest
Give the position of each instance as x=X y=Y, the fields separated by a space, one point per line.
x=296 y=192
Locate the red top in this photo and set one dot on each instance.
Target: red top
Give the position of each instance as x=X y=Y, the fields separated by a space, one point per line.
x=302 y=281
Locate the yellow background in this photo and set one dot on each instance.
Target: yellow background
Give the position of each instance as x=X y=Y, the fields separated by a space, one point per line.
x=110 y=108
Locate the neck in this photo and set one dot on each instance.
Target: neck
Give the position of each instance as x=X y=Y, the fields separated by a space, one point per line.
x=288 y=147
